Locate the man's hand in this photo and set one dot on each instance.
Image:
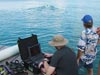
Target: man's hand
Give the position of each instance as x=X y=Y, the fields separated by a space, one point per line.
x=98 y=31
x=47 y=55
x=40 y=64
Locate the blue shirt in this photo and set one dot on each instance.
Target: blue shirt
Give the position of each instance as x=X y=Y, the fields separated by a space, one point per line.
x=87 y=44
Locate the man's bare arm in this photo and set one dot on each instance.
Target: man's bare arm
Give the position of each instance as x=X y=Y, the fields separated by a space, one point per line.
x=79 y=54
x=49 y=69
x=98 y=32
x=99 y=41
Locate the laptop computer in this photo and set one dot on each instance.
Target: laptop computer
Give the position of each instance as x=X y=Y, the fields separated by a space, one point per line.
x=35 y=53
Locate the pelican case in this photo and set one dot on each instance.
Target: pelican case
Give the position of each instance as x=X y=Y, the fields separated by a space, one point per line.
x=30 y=53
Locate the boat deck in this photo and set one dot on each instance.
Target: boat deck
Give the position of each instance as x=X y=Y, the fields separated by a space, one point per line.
x=16 y=57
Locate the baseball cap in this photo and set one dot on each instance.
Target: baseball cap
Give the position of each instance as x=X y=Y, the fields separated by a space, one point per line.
x=87 y=18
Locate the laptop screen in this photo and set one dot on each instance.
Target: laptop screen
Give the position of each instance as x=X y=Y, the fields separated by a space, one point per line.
x=34 y=50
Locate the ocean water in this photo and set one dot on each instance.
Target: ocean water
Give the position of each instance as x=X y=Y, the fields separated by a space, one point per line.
x=45 y=18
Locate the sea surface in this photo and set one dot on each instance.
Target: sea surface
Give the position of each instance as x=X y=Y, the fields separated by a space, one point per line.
x=45 y=19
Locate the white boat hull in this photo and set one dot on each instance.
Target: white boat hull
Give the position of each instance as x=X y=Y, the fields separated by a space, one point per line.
x=8 y=52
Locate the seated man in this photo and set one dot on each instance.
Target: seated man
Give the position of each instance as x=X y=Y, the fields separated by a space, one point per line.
x=64 y=59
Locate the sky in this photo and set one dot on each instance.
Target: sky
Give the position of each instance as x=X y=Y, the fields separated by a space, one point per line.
x=28 y=0
x=15 y=0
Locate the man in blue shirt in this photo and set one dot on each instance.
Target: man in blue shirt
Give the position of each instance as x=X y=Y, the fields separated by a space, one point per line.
x=87 y=44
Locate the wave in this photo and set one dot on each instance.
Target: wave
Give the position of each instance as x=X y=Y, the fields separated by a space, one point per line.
x=45 y=7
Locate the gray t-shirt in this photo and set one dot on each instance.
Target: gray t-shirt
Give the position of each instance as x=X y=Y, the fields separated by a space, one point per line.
x=64 y=61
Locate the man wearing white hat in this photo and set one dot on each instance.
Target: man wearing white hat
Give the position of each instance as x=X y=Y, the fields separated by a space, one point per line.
x=63 y=62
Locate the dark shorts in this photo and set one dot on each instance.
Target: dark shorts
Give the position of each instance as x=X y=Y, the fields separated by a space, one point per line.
x=87 y=66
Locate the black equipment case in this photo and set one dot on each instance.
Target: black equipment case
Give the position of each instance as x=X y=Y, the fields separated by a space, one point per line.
x=30 y=53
